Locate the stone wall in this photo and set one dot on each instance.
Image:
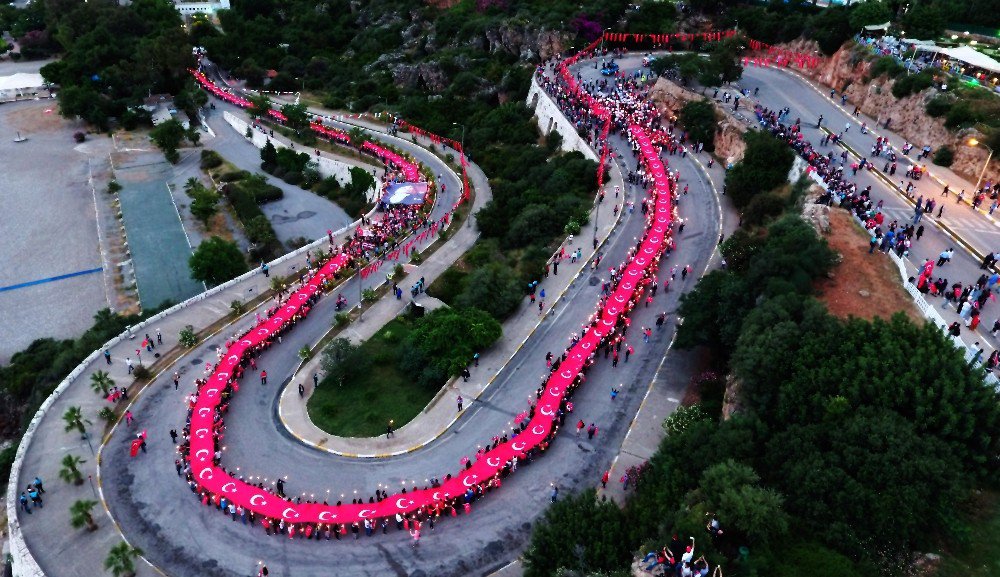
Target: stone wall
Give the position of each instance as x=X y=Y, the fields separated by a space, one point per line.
x=551 y=118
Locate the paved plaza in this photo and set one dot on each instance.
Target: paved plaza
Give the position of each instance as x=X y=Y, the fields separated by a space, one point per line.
x=47 y=215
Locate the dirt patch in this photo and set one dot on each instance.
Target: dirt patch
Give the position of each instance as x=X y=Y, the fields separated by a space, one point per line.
x=42 y=116
x=862 y=285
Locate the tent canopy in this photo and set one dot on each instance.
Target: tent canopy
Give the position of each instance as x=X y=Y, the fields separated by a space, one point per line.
x=966 y=54
x=21 y=80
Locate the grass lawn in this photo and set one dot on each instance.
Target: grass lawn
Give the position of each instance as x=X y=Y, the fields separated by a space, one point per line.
x=363 y=407
x=980 y=556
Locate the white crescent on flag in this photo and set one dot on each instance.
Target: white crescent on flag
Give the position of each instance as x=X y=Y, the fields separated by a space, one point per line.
x=201 y=474
x=365 y=513
x=201 y=457
x=470 y=480
x=537 y=429
x=516 y=447
x=285 y=514
x=200 y=433
x=547 y=411
x=253 y=501
x=322 y=518
x=493 y=462
x=229 y=487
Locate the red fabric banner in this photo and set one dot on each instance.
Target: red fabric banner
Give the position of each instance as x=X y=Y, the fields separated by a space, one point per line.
x=487 y=465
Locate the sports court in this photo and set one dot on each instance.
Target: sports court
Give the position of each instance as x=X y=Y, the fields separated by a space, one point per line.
x=160 y=249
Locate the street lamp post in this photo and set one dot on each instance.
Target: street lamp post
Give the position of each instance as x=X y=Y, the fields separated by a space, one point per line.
x=982 y=173
x=463 y=135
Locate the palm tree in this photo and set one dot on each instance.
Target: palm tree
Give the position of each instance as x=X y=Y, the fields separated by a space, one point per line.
x=101 y=382
x=70 y=471
x=74 y=420
x=120 y=560
x=79 y=515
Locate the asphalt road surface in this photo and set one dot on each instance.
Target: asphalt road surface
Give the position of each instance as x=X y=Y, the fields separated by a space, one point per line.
x=158 y=513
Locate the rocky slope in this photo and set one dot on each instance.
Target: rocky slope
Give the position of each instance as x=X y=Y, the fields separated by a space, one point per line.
x=847 y=70
x=670 y=98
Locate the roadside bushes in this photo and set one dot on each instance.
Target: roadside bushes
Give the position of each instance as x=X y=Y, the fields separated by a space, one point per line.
x=885 y=65
x=246 y=195
x=912 y=84
x=764 y=167
x=210 y=159
x=944 y=156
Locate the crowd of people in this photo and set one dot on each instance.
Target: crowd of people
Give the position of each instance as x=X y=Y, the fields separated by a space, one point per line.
x=373 y=243
x=969 y=299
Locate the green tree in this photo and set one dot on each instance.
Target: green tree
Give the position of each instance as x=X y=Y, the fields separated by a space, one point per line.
x=216 y=261
x=75 y=421
x=869 y=13
x=830 y=28
x=70 y=471
x=296 y=116
x=447 y=338
x=121 y=560
x=205 y=205
x=101 y=382
x=342 y=361
x=578 y=532
x=698 y=118
x=765 y=166
x=268 y=156
x=361 y=182
x=187 y=337
x=357 y=136
x=260 y=104
x=492 y=288
x=167 y=137
x=923 y=21
x=79 y=515
x=732 y=490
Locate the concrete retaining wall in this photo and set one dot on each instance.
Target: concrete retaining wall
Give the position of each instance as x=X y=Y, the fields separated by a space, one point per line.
x=551 y=118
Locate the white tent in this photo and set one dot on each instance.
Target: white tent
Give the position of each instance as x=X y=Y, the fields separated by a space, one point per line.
x=21 y=81
x=966 y=54
x=972 y=57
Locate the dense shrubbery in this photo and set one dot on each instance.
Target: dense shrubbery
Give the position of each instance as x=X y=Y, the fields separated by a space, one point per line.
x=698 y=119
x=765 y=166
x=113 y=56
x=831 y=456
x=944 y=156
x=245 y=195
x=912 y=83
x=885 y=65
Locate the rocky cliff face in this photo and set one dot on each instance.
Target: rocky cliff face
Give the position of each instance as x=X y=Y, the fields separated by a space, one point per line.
x=670 y=98
x=527 y=43
x=847 y=71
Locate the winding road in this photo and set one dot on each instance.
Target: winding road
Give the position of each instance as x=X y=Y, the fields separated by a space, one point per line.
x=157 y=512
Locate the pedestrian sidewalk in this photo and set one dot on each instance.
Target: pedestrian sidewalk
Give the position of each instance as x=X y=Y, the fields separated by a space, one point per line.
x=440 y=414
